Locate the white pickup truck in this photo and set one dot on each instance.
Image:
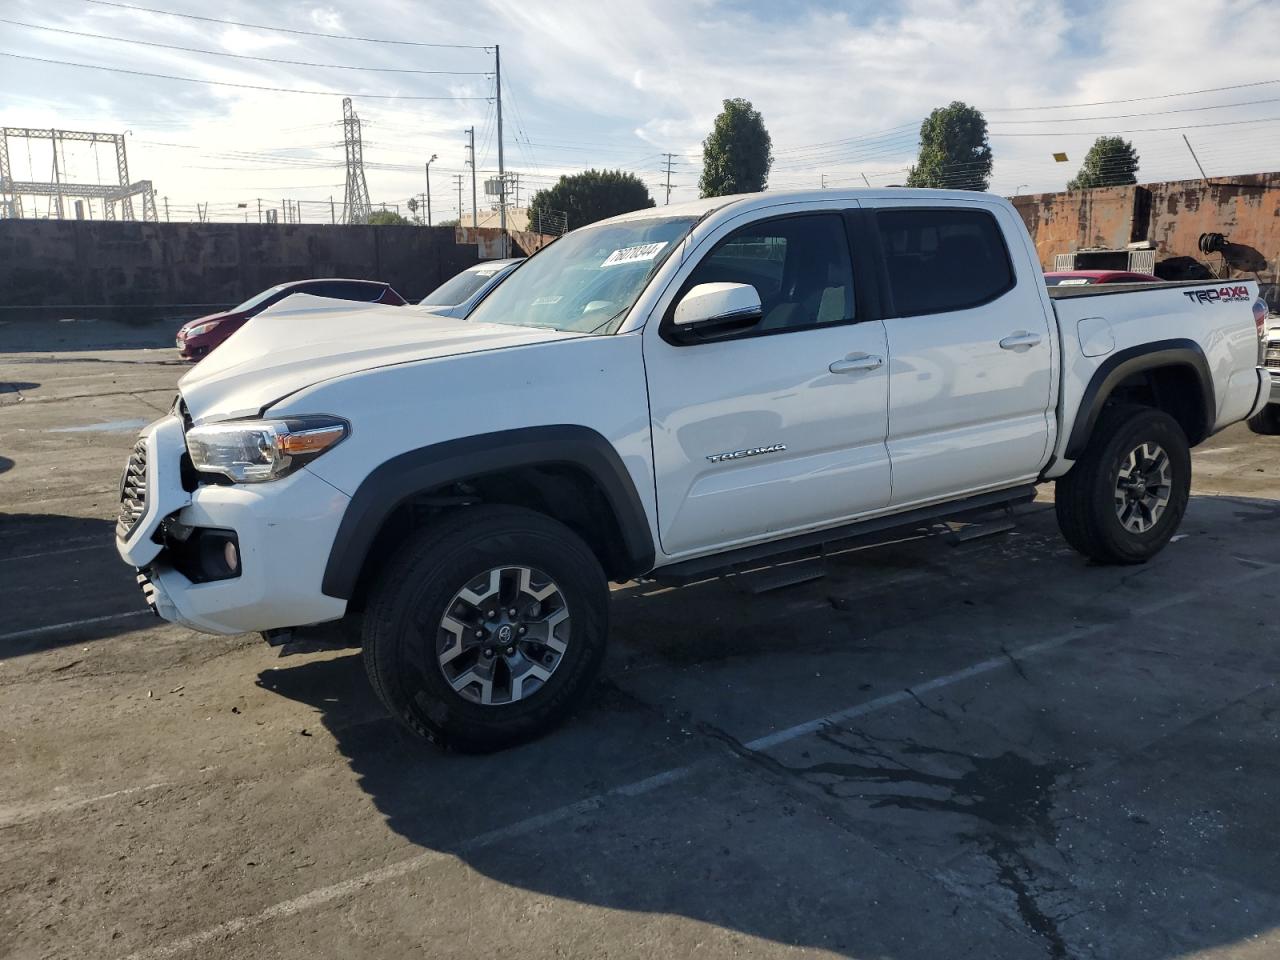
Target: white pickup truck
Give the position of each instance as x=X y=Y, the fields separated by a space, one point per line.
x=1267 y=420
x=665 y=395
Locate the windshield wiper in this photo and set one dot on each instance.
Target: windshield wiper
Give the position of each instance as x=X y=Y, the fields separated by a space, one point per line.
x=607 y=322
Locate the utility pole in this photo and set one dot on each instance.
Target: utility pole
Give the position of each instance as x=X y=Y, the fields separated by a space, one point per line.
x=429 y=162
x=822 y=181
x=502 y=169
x=1184 y=140
x=57 y=179
x=670 y=157
x=166 y=209
x=471 y=147
x=333 y=210
x=259 y=209
x=458 y=178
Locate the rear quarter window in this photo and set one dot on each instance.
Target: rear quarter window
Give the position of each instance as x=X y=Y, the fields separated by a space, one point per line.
x=941 y=260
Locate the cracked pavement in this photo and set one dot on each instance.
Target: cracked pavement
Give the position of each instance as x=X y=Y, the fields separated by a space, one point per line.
x=983 y=749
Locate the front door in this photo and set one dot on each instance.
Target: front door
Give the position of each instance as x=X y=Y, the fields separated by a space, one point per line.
x=781 y=427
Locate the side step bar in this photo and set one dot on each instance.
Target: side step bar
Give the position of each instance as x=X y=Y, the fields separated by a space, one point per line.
x=704 y=568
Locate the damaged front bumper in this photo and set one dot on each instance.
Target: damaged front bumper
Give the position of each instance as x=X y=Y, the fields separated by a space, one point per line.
x=282 y=530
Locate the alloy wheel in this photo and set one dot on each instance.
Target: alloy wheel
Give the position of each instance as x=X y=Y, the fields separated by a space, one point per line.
x=503 y=635
x=1143 y=487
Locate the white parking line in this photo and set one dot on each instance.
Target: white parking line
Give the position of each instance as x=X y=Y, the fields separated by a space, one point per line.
x=324 y=895
x=97 y=544
x=54 y=627
x=30 y=811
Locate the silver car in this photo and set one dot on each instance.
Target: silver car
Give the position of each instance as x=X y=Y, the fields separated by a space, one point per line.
x=458 y=295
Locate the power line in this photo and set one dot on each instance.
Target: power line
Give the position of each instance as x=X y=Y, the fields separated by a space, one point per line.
x=1150 y=113
x=242 y=56
x=304 y=33
x=1158 y=96
x=873 y=135
x=227 y=83
x=1107 y=133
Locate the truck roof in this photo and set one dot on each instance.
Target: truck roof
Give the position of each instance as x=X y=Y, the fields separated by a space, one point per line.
x=767 y=198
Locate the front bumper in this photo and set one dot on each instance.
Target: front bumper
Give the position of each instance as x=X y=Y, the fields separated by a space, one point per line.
x=285 y=530
x=1268 y=391
x=192 y=349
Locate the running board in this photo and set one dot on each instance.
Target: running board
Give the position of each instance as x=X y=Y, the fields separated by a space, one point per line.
x=704 y=568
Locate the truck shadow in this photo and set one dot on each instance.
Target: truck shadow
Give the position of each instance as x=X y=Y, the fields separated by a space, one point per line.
x=745 y=841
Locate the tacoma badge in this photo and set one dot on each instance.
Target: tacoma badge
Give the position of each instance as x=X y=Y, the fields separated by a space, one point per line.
x=749 y=452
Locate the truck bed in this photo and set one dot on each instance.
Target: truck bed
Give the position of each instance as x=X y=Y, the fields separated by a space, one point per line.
x=1104 y=289
x=1204 y=325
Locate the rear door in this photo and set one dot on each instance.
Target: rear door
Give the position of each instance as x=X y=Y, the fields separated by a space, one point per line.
x=780 y=427
x=971 y=375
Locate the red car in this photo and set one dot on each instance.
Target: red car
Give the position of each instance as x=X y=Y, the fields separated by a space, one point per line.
x=197 y=337
x=1080 y=278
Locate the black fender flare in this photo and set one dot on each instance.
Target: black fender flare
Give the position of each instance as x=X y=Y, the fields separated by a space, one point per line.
x=1124 y=363
x=392 y=483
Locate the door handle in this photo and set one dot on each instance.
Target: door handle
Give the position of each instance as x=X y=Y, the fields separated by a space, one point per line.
x=1020 y=340
x=857 y=363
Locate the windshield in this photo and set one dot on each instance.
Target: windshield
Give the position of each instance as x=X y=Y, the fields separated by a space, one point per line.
x=453 y=291
x=258 y=299
x=588 y=279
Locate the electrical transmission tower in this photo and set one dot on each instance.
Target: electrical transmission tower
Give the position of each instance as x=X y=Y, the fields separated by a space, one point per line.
x=355 y=205
x=60 y=189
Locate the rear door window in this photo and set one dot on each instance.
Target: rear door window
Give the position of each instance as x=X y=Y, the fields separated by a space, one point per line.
x=940 y=260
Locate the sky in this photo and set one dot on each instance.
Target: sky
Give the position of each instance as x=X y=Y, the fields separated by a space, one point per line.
x=842 y=88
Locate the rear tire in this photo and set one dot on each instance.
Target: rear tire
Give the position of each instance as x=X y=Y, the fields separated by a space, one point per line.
x=1266 y=421
x=1125 y=496
x=453 y=629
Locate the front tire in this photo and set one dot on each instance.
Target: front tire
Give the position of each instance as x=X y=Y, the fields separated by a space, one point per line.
x=1125 y=497
x=1266 y=421
x=487 y=629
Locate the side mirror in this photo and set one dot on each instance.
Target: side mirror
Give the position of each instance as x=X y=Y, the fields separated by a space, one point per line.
x=715 y=309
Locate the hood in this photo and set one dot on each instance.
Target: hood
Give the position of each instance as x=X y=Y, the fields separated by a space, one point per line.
x=440 y=309
x=306 y=340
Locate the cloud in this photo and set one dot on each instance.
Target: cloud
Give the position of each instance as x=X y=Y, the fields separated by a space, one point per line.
x=843 y=89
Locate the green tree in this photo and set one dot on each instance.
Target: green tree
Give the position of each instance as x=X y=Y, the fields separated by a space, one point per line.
x=387 y=217
x=590 y=196
x=737 y=154
x=1110 y=162
x=954 y=152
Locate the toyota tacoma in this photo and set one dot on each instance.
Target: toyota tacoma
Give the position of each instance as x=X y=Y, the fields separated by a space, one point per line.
x=665 y=395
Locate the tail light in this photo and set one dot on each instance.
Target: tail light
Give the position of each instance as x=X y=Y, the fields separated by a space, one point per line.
x=1260 y=311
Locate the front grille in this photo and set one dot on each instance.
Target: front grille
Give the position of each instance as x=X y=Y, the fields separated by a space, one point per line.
x=133 y=490
x=1273 y=357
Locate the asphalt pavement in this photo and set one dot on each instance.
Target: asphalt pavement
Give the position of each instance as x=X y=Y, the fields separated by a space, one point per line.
x=988 y=748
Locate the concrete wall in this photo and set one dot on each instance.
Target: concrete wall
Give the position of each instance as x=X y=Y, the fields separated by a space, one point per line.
x=1063 y=222
x=1172 y=215
x=146 y=271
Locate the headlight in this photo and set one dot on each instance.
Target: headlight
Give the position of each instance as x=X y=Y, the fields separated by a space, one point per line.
x=251 y=451
x=200 y=329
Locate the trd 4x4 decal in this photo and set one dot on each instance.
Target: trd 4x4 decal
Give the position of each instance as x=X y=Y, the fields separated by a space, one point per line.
x=1216 y=296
